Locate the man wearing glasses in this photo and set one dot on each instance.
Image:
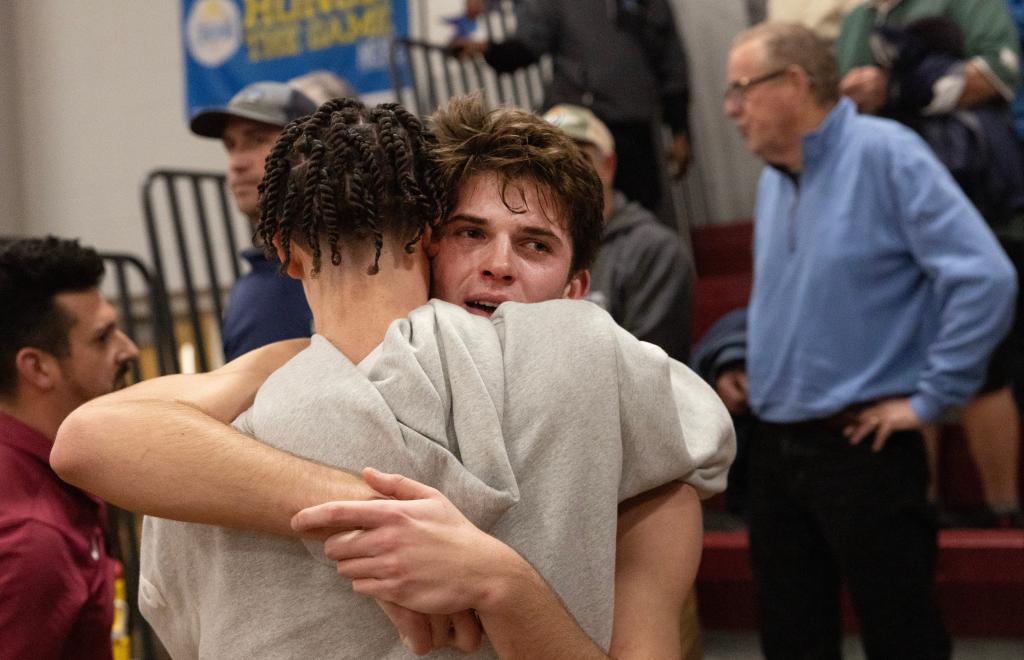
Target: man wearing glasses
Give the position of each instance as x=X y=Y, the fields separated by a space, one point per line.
x=878 y=295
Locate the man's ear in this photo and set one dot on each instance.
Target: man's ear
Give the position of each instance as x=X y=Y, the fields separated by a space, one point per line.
x=802 y=78
x=578 y=285
x=37 y=368
x=609 y=165
x=431 y=242
x=296 y=267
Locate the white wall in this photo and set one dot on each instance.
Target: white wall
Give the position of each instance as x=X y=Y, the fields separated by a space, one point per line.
x=97 y=89
x=91 y=99
x=10 y=127
x=726 y=170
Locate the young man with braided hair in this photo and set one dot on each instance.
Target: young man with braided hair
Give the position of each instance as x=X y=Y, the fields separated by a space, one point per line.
x=503 y=395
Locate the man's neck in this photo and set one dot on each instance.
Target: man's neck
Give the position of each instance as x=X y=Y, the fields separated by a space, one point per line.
x=353 y=310
x=39 y=415
x=609 y=204
x=806 y=123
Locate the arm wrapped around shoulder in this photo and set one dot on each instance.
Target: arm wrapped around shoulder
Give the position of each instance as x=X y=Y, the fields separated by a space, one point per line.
x=591 y=394
x=674 y=425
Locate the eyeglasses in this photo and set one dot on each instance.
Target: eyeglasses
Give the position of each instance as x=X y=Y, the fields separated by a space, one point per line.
x=737 y=90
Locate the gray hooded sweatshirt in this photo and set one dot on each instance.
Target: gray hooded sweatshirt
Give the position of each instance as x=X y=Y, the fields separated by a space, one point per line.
x=535 y=423
x=644 y=277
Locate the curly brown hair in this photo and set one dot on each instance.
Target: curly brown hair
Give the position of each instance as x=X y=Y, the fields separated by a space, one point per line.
x=519 y=147
x=353 y=174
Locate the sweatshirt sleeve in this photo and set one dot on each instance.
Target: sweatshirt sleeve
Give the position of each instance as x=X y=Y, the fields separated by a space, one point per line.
x=397 y=418
x=674 y=426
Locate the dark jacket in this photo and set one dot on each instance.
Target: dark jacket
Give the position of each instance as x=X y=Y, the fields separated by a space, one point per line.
x=621 y=59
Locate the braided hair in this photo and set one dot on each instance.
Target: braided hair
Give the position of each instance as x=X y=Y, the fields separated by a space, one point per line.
x=354 y=174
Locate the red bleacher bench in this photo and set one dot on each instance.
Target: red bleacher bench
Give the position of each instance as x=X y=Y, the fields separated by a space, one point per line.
x=723 y=256
x=980 y=583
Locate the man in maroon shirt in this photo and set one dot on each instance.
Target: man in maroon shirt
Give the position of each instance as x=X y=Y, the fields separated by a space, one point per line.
x=60 y=346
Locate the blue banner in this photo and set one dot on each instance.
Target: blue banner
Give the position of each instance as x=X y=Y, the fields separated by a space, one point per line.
x=231 y=43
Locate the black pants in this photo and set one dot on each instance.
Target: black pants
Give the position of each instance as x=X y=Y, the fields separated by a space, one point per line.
x=638 y=175
x=823 y=511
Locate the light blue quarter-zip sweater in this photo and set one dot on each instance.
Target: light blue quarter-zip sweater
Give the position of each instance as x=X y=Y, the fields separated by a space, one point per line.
x=874 y=276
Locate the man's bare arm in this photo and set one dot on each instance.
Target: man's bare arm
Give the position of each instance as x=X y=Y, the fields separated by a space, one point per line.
x=659 y=546
x=162 y=447
x=525 y=619
x=419 y=551
x=977 y=88
x=658 y=553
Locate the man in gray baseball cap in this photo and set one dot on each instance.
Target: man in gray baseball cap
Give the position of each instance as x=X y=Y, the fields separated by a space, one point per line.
x=248 y=125
x=265 y=102
x=643 y=275
x=264 y=306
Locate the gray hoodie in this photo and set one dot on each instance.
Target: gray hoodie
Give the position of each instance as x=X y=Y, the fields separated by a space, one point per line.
x=643 y=276
x=536 y=423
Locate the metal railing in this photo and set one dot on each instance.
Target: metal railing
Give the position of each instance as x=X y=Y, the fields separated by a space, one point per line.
x=194 y=240
x=126 y=269
x=425 y=75
x=133 y=283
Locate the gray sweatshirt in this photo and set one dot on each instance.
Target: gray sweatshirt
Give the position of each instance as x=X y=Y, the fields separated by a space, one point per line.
x=536 y=423
x=643 y=276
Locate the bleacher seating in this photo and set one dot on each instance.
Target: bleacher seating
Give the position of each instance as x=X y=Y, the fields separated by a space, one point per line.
x=980 y=582
x=723 y=255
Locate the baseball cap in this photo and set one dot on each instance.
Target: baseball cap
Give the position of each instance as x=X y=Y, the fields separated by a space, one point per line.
x=321 y=86
x=581 y=125
x=269 y=102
